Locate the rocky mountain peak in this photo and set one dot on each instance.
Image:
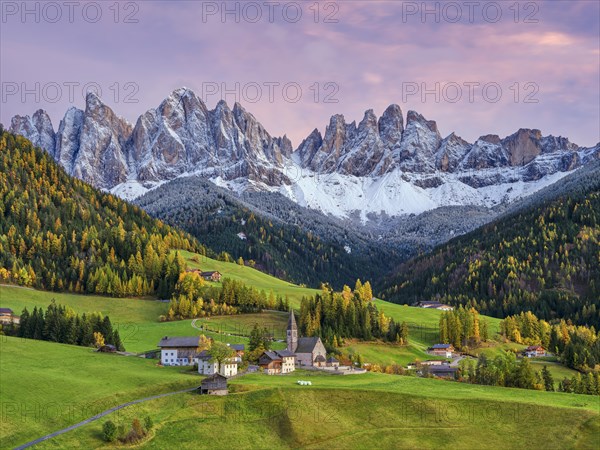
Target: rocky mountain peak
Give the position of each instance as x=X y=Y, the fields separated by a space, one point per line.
x=420 y=141
x=391 y=125
x=490 y=138
x=414 y=118
x=182 y=136
x=38 y=129
x=523 y=146
x=369 y=121
x=451 y=152
x=308 y=148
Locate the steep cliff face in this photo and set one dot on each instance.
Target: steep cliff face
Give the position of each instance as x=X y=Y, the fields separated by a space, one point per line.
x=383 y=165
x=38 y=129
x=180 y=136
x=101 y=158
x=363 y=150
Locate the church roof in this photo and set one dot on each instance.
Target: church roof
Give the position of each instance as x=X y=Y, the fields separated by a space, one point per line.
x=320 y=358
x=307 y=344
x=292 y=321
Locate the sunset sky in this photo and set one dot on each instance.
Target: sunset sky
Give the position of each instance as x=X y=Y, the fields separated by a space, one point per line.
x=375 y=55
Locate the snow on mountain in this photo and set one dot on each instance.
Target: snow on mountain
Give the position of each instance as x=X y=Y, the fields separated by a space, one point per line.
x=381 y=167
x=396 y=194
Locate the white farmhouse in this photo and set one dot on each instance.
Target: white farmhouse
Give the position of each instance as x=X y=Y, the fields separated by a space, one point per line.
x=179 y=351
x=207 y=366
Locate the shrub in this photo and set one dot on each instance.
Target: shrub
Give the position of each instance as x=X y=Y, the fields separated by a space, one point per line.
x=109 y=431
x=148 y=424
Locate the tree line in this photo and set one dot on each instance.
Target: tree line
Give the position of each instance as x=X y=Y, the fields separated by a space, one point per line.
x=588 y=384
x=334 y=316
x=61 y=324
x=577 y=346
x=543 y=259
x=506 y=370
x=194 y=298
x=463 y=328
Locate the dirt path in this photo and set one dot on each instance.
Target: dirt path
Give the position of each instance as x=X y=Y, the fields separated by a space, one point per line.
x=99 y=416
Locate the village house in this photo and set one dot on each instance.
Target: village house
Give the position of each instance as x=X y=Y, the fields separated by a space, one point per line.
x=179 y=351
x=214 y=385
x=239 y=351
x=277 y=362
x=431 y=362
x=207 y=366
x=7 y=316
x=444 y=350
x=442 y=371
x=309 y=351
x=434 y=305
x=534 y=351
x=211 y=276
x=333 y=362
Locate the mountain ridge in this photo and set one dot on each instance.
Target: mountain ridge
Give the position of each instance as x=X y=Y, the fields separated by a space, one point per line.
x=387 y=165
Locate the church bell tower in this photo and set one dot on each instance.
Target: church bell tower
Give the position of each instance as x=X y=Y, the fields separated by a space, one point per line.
x=292 y=333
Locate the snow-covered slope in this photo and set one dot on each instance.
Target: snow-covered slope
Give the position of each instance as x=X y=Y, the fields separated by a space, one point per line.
x=381 y=167
x=396 y=193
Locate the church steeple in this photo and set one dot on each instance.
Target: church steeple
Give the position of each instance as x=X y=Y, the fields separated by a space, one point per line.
x=292 y=333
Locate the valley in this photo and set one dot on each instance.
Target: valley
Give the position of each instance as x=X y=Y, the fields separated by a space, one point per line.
x=387 y=371
x=53 y=368
x=353 y=225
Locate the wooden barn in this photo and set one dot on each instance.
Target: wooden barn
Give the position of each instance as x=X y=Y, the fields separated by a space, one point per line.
x=214 y=385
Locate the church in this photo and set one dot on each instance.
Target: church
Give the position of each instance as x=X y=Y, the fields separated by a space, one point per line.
x=309 y=351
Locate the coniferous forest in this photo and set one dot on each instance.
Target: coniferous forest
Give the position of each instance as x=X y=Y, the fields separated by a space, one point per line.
x=545 y=259
x=60 y=234
x=334 y=316
x=61 y=324
x=291 y=243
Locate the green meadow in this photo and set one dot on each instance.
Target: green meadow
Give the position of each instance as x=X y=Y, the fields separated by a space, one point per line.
x=136 y=319
x=358 y=411
x=250 y=276
x=47 y=386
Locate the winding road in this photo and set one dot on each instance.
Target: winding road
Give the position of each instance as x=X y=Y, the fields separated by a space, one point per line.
x=99 y=416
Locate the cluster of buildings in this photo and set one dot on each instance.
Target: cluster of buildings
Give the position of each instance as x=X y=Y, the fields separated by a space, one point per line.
x=300 y=352
x=183 y=351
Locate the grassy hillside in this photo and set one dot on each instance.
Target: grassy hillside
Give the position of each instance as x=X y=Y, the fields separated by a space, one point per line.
x=253 y=277
x=73 y=378
x=135 y=319
x=47 y=386
x=369 y=411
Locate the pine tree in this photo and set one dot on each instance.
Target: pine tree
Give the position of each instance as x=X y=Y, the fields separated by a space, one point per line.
x=548 y=380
